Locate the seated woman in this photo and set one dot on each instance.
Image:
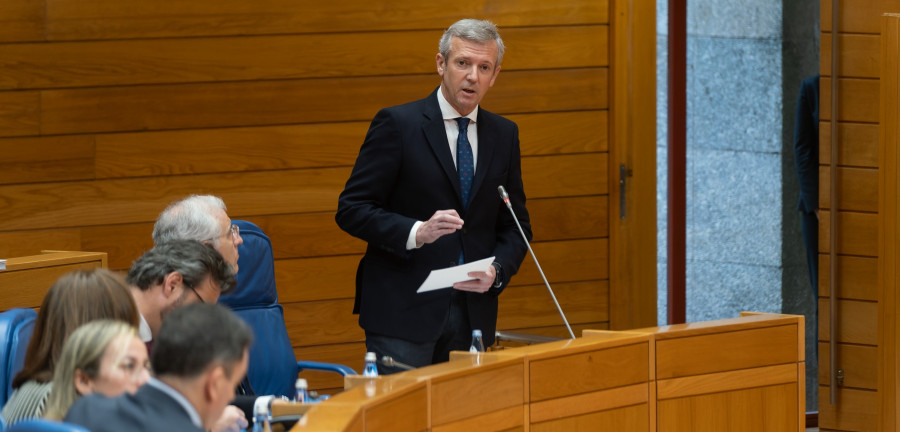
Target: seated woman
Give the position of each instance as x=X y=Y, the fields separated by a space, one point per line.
x=102 y=356
x=75 y=299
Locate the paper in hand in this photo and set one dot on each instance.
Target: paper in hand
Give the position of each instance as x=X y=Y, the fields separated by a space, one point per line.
x=445 y=278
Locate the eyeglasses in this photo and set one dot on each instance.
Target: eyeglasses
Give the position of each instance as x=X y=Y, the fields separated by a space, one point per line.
x=235 y=232
x=196 y=293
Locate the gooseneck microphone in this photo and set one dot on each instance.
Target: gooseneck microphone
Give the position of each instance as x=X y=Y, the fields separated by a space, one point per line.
x=390 y=362
x=505 y=197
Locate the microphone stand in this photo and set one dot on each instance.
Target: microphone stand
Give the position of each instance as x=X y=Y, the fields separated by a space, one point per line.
x=505 y=197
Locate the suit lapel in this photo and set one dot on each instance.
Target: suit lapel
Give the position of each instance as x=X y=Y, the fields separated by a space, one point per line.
x=436 y=135
x=487 y=142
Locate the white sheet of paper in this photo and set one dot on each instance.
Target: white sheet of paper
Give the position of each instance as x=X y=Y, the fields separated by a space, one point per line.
x=445 y=278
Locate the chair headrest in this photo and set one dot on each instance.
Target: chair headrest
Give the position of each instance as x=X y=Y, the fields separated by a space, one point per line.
x=256 y=270
x=16 y=326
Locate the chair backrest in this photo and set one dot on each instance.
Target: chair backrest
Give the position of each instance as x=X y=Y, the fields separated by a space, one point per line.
x=273 y=366
x=41 y=425
x=16 y=326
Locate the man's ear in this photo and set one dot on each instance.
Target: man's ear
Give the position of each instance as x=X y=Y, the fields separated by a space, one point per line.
x=84 y=385
x=171 y=283
x=441 y=64
x=494 y=78
x=215 y=379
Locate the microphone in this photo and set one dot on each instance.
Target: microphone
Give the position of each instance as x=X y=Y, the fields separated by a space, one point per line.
x=390 y=362
x=505 y=197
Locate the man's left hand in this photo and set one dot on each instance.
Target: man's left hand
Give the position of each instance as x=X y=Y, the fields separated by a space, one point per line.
x=482 y=281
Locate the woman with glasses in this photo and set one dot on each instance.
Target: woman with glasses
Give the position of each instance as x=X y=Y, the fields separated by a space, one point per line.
x=103 y=356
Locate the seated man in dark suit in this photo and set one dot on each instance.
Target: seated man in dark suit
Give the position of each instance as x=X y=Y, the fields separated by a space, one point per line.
x=198 y=358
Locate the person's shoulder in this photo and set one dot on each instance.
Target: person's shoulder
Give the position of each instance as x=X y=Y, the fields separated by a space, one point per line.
x=811 y=82
x=414 y=106
x=496 y=120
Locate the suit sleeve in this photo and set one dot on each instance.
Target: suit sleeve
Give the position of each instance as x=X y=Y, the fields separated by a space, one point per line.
x=363 y=205
x=510 y=248
x=806 y=141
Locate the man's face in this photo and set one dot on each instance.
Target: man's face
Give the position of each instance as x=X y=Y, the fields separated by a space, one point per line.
x=221 y=389
x=207 y=291
x=468 y=73
x=228 y=241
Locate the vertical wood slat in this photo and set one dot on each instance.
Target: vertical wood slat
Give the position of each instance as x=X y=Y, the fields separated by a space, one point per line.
x=889 y=221
x=633 y=98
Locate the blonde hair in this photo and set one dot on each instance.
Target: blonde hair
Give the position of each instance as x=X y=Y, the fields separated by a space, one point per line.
x=82 y=351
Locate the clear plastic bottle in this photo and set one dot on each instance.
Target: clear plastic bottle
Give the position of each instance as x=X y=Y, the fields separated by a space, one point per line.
x=370 y=369
x=261 y=418
x=477 y=342
x=301 y=391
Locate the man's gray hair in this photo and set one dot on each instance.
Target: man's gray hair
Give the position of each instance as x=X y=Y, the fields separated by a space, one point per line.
x=480 y=31
x=193 y=260
x=192 y=218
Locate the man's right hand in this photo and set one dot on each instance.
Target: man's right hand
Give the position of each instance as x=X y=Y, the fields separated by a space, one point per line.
x=441 y=223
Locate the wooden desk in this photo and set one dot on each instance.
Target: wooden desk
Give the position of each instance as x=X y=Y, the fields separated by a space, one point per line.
x=744 y=373
x=27 y=279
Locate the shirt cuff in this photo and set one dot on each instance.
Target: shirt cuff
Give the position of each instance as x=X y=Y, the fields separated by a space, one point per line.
x=411 y=240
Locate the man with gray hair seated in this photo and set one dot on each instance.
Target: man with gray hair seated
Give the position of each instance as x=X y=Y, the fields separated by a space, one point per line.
x=175 y=274
x=200 y=356
x=202 y=218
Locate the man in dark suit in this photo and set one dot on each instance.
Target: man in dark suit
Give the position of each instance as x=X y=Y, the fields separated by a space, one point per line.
x=806 y=161
x=199 y=357
x=423 y=195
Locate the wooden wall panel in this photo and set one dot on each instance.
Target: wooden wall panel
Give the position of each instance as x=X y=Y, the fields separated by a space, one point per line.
x=115 y=63
x=855 y=16
x=21 y=20
x=178 y=106
x=43 y=159
x=858 y=55
x=857 y=321
x=19 y=113
x=859 y=144
x=855 y=189
x=125 y=19
x=856 y=361
x=857 y=277
x=532 y=306
x=857 y=233
x=858 y=410
x=859 y=99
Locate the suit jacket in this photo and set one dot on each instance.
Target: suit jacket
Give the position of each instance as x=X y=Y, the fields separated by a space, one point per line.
x=148 y=410
x=403 y=174
x=806 y=144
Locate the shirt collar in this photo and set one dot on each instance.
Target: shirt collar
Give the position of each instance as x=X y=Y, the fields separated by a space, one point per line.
x=178 y=397
x=450 y=113
x=144 y=330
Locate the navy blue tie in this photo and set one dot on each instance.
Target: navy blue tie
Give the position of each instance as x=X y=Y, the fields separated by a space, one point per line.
x=465 y=166
x=465 y=163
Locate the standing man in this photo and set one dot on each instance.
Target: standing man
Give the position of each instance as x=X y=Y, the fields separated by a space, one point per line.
x=201 y=218
x=806 y=160
x=423 y=195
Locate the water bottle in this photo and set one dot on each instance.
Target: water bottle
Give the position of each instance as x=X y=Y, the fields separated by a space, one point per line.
x=477 y=342
x=301 y=391
x=370 y=369
x=261 y=418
